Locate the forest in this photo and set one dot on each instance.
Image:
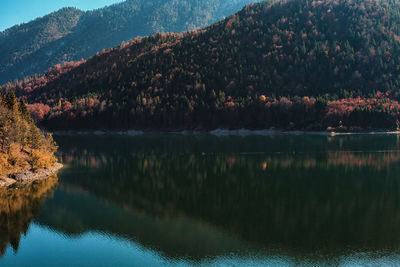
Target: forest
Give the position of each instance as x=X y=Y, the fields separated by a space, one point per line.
x=72 y=34
x=23 y=146
x=297 y=64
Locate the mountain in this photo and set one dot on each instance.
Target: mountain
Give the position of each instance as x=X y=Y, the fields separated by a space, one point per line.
x=297 y=64
x=71 y=34
x=22 y=46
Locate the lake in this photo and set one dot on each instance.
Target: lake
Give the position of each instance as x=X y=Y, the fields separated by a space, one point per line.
x=210 y=200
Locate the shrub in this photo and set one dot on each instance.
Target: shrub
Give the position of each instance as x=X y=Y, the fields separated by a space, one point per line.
x=41 y=159
x=4 y=166
x=15 y=156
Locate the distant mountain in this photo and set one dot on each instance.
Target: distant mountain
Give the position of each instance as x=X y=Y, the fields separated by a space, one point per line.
x=71 y=34
x=297 y=64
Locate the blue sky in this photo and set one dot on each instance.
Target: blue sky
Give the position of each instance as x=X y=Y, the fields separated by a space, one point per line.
x=14 y=12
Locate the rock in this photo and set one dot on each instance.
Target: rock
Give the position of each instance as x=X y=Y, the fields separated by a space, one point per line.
x=30 y=176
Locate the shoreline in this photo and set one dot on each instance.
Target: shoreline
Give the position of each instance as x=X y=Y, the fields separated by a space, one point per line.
x=28 y=177
x=221 y=132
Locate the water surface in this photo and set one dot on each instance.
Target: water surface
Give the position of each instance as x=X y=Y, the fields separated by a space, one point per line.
x=182 y=200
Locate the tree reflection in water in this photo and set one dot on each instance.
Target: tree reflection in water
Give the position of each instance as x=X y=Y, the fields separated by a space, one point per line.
x=297 y=194
x=19 y=205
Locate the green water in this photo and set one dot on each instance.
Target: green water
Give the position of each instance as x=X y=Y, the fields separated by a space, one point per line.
x=209 y=200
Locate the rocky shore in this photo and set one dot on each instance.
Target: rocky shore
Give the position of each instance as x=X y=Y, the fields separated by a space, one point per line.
x=29 y=176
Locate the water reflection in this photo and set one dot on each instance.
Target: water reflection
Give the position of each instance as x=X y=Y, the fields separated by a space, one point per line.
x=200 y=197
x=18 y=207
x=175 y=237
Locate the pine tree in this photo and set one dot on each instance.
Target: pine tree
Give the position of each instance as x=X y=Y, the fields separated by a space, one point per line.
x=10 y=100
x=35 y=138
x=23 y=110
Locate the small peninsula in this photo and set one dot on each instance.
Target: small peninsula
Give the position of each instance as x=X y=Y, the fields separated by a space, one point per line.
x=26 y=154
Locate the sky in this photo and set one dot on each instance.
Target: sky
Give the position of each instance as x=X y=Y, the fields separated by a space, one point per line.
x=13 y=12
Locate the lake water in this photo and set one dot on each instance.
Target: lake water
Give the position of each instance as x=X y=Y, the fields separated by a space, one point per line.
x=208 y=200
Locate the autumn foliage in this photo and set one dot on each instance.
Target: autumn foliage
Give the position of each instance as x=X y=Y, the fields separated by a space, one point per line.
x=22 y=145
x=297 y=64
x=71 y=34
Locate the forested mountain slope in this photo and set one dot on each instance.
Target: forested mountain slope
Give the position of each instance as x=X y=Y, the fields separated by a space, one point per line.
x=71 y=34
x=296 y=64
x=22 y=146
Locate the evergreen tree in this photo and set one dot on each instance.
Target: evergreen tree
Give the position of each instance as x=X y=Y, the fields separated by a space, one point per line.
x=10 y=100
x=23 y=110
